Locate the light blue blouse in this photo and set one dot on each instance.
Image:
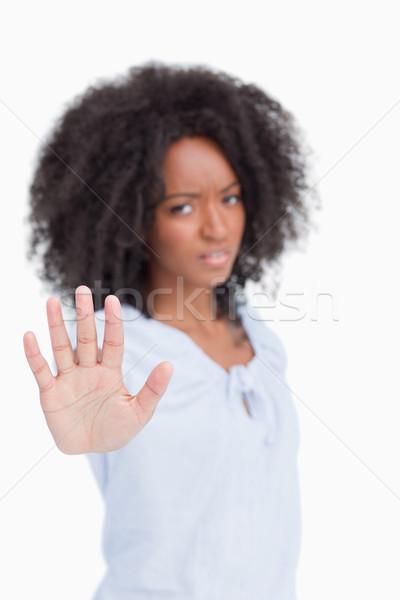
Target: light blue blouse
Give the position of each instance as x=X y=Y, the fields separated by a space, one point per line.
x=204 y=503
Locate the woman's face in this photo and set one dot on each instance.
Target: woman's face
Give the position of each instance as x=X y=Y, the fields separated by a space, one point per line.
x=198 y=227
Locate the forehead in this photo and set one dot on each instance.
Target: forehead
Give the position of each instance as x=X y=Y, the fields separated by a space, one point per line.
x=196 y=160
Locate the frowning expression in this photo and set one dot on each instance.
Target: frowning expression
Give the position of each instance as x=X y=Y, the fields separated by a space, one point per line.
x=198 y=227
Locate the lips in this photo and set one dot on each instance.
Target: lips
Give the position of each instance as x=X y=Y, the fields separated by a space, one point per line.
x=216 y=257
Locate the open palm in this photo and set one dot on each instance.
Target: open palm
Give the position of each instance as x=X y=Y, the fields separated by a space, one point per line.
x=87 y=406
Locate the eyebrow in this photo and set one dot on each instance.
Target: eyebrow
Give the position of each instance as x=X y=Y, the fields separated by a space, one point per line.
x=187 y=194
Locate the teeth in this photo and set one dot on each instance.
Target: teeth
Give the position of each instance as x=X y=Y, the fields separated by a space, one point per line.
x=215 y=254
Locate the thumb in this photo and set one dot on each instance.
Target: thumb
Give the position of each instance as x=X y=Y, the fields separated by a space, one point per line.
x=147 y=399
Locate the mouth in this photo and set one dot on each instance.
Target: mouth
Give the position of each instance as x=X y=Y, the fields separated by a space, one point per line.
x=216 y=258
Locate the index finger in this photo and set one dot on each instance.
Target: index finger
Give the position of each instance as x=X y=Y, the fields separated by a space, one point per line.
x=113 y=344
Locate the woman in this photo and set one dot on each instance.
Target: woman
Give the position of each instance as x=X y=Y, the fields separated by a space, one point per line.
x=171 y=188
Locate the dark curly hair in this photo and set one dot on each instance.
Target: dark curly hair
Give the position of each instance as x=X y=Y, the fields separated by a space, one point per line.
x=98 y=178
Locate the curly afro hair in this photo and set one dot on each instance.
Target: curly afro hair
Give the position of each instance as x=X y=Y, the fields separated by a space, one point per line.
x=98 y=178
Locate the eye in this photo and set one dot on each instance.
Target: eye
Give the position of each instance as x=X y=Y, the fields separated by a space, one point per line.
x=182 y=209
x=232 y=199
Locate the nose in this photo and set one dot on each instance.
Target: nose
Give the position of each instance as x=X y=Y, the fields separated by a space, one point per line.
x=213 y=224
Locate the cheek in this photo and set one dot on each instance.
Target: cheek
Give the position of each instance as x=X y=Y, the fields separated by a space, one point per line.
x=240 y=221
x=172 y=236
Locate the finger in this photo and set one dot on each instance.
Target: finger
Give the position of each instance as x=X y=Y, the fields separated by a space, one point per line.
x=113 y=344
x=39 y=367
x=147 y=399
x=60 y=343
x=86 y=336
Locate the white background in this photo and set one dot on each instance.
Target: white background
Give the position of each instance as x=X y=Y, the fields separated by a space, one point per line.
x=335 y=66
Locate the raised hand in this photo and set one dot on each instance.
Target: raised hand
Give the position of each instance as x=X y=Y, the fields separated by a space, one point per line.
x=87 y=406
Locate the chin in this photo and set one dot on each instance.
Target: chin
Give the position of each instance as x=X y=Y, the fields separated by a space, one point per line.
x=211 y=279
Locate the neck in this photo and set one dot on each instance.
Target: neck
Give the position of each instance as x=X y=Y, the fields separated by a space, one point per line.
x=182 y=305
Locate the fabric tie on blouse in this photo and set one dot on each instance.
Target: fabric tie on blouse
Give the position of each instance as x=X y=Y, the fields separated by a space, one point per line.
x=241 y=384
